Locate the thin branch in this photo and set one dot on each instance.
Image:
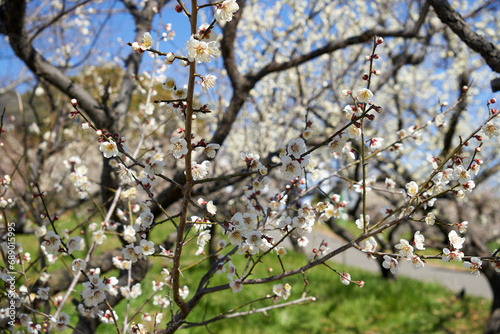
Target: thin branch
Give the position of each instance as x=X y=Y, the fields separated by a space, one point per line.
x=56 y=18
x=254 y=311
x=476 y=42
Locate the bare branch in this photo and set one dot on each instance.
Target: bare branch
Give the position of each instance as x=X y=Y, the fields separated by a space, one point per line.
x=23 y=48
x=57 y=18
x=476 y=42
x=254 y=311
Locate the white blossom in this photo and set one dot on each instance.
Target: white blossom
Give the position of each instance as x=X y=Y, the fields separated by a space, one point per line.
x=225 y=11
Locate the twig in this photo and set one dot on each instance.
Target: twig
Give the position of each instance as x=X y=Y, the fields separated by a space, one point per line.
x=259 y=310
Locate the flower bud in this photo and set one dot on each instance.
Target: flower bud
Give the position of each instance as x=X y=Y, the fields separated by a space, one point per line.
x=74 y=102
x=170 y=57
x=136 y=46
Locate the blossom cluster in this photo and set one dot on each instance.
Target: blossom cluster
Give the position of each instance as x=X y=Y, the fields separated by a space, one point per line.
x=292 y=159
x=265 y=214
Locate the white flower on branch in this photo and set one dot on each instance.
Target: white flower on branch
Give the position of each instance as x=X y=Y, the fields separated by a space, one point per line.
x=178 y=147
x=108 y=148
x=391 y=264
x=364 y=95
x=491 y=129
x=155 y=167
x=295 y=147
x=418 y=240
x=416 y=262
x=61 y=322
x=211 y=208
x=147 y=41
x=405 y=249
x=78 y=264
x=169 y=84
x=200 y=171
x=201 y=52
x=208 y=82
x=290 y=168
x=94 y=293
x=412 y=189
x=74 y=244
x=353 y=132
x=225 y=11
x=43 y=293
x=455 y=255
x=345 y=278
x=370 y=247
x=184 y=292
x=98 y=237
x=145 y=248
x=211 y=150
x=131 y=253
x=180 y=93
x=430 y=219
x=360 y=223
x=236 y=285
x=254 y=238
x=456 y=241
x=474 y=266
x=106 y=317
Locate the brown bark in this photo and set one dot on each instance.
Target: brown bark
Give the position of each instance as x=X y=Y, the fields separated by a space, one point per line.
x=476 y=42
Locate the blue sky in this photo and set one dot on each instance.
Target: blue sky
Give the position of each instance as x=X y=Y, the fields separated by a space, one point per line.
x=117 y=26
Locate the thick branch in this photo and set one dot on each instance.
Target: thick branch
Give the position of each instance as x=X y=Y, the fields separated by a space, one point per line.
x=476 y=42
x=22 y=47
x=227 y=48
x=332 y=47
x=243 y=84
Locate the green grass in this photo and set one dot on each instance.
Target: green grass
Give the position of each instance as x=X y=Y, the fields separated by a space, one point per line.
x=401 y=306
x=381 y=306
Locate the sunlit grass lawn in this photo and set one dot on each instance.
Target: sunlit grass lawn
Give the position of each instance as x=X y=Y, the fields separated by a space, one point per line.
x=381 y=306
x=401 y=306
